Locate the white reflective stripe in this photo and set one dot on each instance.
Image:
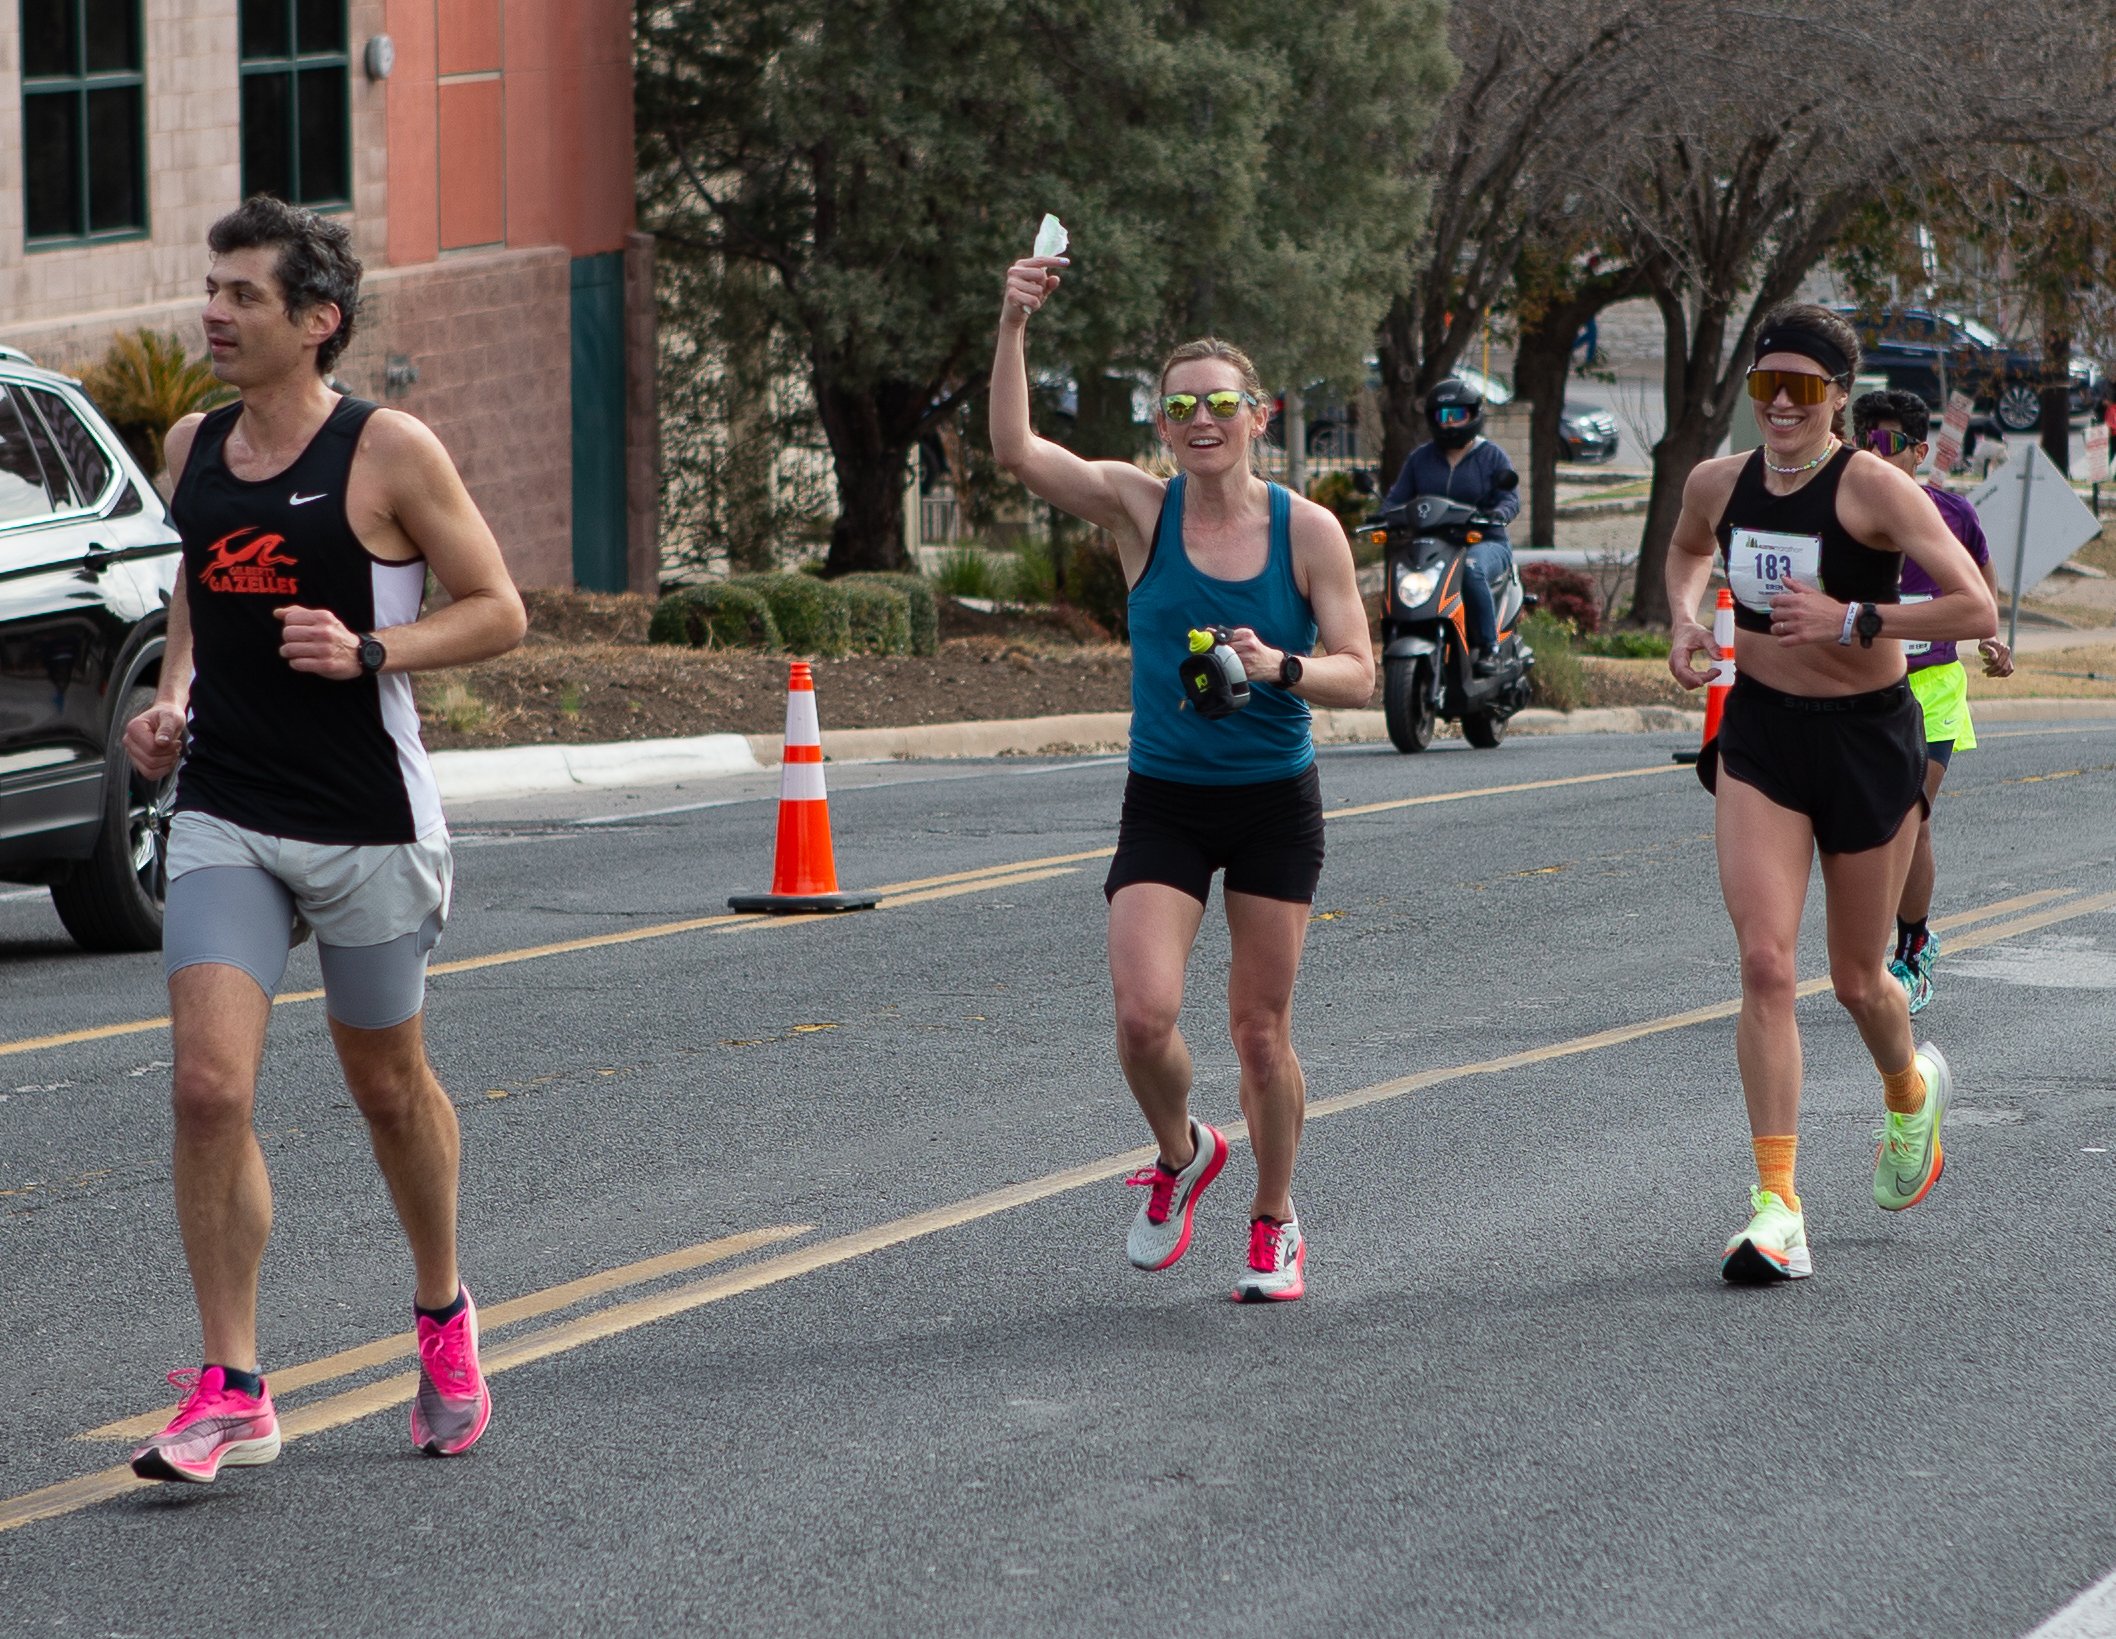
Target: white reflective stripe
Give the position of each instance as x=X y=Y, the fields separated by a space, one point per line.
x=801 y=782
x=801 y=728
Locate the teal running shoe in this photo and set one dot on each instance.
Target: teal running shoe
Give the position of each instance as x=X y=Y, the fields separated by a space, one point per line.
x=1773 y=1247
x=1908 y=1161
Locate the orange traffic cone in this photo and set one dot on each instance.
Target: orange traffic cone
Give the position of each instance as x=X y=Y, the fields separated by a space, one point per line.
x=1722 y=673
x=804 y=874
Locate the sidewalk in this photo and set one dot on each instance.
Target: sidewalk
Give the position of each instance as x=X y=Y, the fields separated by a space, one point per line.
x=466 y=776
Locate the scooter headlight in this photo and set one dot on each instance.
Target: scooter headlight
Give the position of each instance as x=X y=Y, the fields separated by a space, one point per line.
x=1414 y=586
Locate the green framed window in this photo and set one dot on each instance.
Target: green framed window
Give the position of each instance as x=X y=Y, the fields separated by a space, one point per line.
x=84 y=120
x=296 y=87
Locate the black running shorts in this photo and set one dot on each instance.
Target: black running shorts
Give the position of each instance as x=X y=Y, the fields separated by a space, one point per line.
x=1854 y=764
x=1268 y=838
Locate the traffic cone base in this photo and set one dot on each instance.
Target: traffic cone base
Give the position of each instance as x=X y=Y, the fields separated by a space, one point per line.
x=804 y=875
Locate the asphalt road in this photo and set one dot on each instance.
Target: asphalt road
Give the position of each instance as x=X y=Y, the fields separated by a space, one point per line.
x=908 y=1384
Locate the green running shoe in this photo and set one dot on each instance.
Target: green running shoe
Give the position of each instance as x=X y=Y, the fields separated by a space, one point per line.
x=1772 y=1248
x=1922 y=961
x=1907 y=1164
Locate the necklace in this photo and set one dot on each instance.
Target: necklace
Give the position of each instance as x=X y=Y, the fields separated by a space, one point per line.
x=1829 y=449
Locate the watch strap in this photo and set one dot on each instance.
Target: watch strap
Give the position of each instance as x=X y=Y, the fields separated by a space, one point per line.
x=1851 y=624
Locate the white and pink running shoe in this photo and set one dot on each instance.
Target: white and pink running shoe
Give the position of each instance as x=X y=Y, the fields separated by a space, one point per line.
x=1277 y=1256
x=453 y=1405
x=1160 y=1234
x=215 y=1426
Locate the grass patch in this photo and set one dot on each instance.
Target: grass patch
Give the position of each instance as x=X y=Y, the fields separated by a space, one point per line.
x=1560 y=681
x=570 y=699
x=967 y=572
x=460 y=709
x=1624 y=645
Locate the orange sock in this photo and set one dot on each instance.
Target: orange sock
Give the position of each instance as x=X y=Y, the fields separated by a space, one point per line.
x=1774 y=1165
x=1903 y=1091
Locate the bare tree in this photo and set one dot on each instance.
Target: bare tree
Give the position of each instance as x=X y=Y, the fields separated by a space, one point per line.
x=1542 y=91
x=1773 y=128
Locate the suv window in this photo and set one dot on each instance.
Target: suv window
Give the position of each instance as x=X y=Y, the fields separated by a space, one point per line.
x=22 y=487
x=84 y=457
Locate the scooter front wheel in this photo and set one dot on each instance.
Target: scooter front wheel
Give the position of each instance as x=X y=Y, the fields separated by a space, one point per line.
x=1407 y=702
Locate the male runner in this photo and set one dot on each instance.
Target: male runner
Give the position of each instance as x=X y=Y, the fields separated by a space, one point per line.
x=309 y=520
x=1893 y=425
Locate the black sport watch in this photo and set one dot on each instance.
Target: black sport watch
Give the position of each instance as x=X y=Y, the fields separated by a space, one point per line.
x=1868 y=626
x=372 y=654
x=1289 y=670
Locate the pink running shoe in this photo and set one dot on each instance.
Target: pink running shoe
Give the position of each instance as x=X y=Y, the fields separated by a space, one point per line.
x=1160 y=1233
x=1278 y=1257
x=214 y=1425
x=453 y=1405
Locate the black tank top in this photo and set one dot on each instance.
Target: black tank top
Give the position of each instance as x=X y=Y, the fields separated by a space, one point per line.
x=294 y=755
x=1797 y=534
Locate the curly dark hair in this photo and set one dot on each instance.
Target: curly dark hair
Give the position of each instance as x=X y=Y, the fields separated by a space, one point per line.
x=1906 y=410
x=316 y=263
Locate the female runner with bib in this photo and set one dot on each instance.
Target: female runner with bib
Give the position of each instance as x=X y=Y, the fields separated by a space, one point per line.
x=1821 y=748
x=1213 y=546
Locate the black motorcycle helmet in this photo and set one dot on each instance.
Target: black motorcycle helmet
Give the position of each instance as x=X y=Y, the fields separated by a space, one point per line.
x=1455 y=412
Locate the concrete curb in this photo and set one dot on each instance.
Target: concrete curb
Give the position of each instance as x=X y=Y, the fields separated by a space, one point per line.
x=524 y=771
x=2035 y=710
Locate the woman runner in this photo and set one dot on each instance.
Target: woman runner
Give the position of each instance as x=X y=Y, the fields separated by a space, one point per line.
x=1822 y=747
x=1213 y=546
x=1892 y=423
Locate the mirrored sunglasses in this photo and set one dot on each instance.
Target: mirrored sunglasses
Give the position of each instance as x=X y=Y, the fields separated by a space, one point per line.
x=1800 y=386
x=1888 y=443
x=1451 y=415
x=1224 y=405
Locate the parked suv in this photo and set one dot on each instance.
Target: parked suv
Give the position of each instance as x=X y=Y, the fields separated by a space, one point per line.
x=1912 y=345
x=88 y=559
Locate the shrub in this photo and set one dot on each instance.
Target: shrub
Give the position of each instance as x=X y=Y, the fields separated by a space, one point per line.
x=1568 y=594
x=1096 y=581
x=145 y=384
x=1336 y=491
x=1033 y=575
x=921 y=608
x=718 y=616
x=1635 y=644
x=814 y=616
x=879 y=617
x=1560 y=680
x=966 y=572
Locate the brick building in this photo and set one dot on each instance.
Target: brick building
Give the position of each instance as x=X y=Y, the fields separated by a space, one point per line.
x=481 y=151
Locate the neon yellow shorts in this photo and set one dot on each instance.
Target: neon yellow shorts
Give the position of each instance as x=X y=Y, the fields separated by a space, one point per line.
x=1944 y=693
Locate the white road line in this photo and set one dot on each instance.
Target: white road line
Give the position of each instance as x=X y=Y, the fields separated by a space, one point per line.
x=23 y=893
x=2091 y=1616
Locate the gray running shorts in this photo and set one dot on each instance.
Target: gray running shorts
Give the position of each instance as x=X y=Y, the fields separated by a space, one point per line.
x=244 y=899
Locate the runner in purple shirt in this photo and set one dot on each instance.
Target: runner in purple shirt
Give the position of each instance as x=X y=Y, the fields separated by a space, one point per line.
x=1893 y=425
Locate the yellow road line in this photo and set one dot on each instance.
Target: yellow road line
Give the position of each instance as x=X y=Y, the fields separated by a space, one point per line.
x=70 y=1496
x=491 y=1317
x=895 y=893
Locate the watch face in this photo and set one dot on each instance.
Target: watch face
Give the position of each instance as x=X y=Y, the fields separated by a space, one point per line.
x=372 y=655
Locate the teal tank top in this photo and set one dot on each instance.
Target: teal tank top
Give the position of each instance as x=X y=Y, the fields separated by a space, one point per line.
x=1268 y=739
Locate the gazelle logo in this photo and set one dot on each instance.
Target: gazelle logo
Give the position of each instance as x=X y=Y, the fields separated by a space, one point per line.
x=234 y=564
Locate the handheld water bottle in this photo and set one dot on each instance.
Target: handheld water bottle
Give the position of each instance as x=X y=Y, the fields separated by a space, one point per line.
x=1215 y=683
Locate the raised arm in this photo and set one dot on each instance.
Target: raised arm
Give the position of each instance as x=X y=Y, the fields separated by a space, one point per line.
x=1115 y=495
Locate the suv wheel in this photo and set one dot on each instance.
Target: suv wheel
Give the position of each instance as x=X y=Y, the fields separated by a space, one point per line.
x=2019 y=408
x=113 y=899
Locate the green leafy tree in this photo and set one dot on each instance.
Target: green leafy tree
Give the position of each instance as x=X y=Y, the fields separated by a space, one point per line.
x=875 y=164
x=144 y=384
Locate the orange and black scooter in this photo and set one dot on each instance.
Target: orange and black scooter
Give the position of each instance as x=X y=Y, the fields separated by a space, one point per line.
x=1425 y=651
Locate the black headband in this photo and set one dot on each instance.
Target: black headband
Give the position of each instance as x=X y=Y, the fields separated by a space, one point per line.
x=1809 y=344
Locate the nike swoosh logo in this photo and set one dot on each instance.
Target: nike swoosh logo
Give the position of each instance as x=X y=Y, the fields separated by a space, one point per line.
x=304 y=500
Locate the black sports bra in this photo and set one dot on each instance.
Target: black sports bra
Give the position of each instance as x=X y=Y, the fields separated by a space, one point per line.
x=1763 y=538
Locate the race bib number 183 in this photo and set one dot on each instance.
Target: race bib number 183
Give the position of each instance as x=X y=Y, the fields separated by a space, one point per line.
x=1760 y=560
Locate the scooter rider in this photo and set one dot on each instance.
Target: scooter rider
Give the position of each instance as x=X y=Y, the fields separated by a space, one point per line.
x=1464 y=465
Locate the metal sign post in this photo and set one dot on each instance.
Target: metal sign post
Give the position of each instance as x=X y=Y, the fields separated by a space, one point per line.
x=2020 y=549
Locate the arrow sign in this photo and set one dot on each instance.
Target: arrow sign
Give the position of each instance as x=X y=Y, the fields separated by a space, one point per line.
x=2029 y=513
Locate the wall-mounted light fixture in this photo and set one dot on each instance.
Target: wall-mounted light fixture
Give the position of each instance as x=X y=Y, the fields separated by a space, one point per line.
x=380 y=56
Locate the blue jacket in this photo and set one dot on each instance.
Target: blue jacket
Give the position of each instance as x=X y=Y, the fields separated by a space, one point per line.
x=1475 y=479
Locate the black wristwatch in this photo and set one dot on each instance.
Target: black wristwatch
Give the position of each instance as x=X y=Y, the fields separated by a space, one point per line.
x=1289 y=670
x=1868 y=626
x=372 y=654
